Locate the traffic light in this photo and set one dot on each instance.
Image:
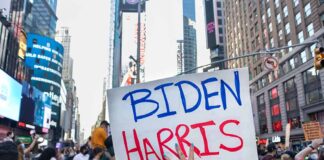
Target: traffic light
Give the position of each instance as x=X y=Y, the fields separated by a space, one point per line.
x=319 y=58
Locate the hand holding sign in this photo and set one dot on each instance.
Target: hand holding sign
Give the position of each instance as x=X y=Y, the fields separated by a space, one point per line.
x=181 y=155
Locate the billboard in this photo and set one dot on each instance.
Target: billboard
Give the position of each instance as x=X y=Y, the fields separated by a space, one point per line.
x=10 y=94
x=45 y=57
x=129 y=49
x=35 y=107
x=131 y=5
x=210 y=110
x=210 y=24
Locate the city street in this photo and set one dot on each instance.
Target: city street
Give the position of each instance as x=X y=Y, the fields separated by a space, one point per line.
x=161 y=80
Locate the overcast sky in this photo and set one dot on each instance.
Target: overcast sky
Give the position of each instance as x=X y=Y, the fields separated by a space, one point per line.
x=89 y=27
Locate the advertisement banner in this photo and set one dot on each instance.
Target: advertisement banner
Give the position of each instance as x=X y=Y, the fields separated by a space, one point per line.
x=129 y=49
x=131 y=5
x=35 y=106
x=210 y=24
x=10 y=95
x=210 y=110
x=45 y=57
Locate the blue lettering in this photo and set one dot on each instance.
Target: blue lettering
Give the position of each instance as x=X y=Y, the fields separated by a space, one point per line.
x=183 y=98
x=237 y=96
x=208 y=95
x=141 y=100
x=167 y=113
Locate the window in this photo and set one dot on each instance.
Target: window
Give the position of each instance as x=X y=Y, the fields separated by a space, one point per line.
x=312 y=86
x=273 y=93
x=292 y=63
x=263 y=18
x=303 y=56
x=285 y=11
x=277 y=3
x=220 y=22
x=219 y=4
x=261 y=99
x=219 y=13
x=220 y=30
x=278 y=18
x=291 y=104
x=310 y=29
x=287 y=28
x=280 y=34
x=269 y=12
x=298 y=18
x=296 y=2
x=289 y=85
x=301 y=37
x=275 y=110
x=276 y=126
x=312 y=47
x=294 y=122
x=270 y=27
x=271 y=42
x=289 y=44
x=262 y=114
x=307 y=10
x=221 y=39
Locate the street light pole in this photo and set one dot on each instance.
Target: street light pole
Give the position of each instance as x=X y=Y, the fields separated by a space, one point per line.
x=138 y=64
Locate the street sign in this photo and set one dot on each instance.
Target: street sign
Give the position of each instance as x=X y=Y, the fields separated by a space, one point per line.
x=312 y=130
x=210 y=110
x=271 y=63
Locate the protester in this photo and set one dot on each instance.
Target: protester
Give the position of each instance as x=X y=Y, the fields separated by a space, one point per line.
x=10 y=137
x=99 y=135
x=97 y=153
x=312 y=150
x=110 y=149
x=271 y=152
x=181 y=155
x=48 y=154
x=83 y=155
x=8 y=151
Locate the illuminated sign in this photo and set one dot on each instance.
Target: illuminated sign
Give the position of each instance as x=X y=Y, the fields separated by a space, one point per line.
x=45 y=56
x=210 y=24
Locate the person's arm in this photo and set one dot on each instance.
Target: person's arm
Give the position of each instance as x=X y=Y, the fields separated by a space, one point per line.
x=302 y=154
x=32 y=145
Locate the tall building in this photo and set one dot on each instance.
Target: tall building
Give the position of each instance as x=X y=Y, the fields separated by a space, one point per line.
x=293 y=93
x=42 y=19
x=189 y=52
x=63 y=36
x=215 y=32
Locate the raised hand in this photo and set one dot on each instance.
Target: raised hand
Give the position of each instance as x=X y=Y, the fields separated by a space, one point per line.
x=181 y=155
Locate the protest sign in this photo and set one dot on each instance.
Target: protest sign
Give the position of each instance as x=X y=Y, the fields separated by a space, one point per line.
x=212 y=111
x=287 y=138
x=312 y=130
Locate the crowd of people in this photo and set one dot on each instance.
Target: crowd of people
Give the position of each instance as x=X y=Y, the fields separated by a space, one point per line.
x=314 y=151
x=98 y=147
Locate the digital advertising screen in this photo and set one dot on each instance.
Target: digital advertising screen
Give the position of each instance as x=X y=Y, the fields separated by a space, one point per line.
x=210 y=24
x=10 y=95
x=45 y=57
x=35 y=107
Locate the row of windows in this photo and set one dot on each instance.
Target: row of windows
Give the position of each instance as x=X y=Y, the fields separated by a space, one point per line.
x=313 y=94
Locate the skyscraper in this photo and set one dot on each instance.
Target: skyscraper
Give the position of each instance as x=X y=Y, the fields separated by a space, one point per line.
x=215 y=24
x=293 y=93
x=189 y=52
x=42 y=19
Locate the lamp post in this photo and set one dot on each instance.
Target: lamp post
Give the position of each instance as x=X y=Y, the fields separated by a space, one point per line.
x=138 y=64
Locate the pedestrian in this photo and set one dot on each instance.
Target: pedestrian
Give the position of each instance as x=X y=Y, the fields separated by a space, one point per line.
x=8 y=150
x=99 y=135
x=271 y=152
x=288 y=155
x=83 y=155
x=10 y=137
x=48 y=154
x=97 y=154
x=310 y=149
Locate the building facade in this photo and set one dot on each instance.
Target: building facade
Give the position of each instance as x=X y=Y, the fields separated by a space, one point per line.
x=293 y=93
x=215 y=32
x=189 y=51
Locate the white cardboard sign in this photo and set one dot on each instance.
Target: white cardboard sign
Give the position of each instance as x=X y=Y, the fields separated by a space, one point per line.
x=210 y=110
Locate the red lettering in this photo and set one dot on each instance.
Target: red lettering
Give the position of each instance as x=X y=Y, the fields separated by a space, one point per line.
x=203 y=134
x=137 y=144
x=163 y=143
x=181 y=139
x=221 y=128
x=147 y=143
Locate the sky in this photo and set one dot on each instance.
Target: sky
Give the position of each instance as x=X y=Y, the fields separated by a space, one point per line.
x=89 y=28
